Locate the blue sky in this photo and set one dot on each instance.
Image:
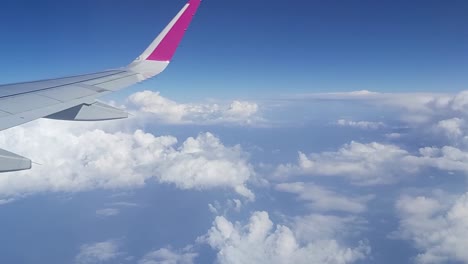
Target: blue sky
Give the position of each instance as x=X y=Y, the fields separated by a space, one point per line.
x=257 y=144
x=245 y=46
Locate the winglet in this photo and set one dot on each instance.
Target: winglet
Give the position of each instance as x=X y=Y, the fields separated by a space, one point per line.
x=165 y=45
x=157 y=56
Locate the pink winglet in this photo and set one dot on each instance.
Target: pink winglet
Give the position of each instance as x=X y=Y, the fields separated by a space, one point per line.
x=166 y=49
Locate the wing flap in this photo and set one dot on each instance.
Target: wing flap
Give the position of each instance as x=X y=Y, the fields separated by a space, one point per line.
x=90 y=112
x=13 y=162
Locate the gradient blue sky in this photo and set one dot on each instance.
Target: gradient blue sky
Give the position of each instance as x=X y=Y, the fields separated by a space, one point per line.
x=247 y=48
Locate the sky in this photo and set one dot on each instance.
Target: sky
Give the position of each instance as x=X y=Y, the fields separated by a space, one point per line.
x=248 y=47
x=282 y=132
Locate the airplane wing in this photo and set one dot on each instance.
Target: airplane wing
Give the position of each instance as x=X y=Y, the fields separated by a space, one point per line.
x=74 y=98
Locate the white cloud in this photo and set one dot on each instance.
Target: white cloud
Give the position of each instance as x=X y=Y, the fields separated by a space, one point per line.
x=426 y=115
x=437 y=226
x=259 y=241
x=367 y=125
x=236 y=204
x=451 y=128
x=239 y=110
x=363 y=164
x=414 y=107
x=316 y=227
x=222 y=209
x=204 y=162
x=108 y=212
x=166 y=110
x=169 y=256
x=446 y=158
x=98 y=252
x=323 y=199
x=78 y=159
x=375 y=163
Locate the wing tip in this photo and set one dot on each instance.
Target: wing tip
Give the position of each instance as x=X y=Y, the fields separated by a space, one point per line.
x=167 y=47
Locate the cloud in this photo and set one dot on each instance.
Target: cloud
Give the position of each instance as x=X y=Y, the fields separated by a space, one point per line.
x=363 y=164
x=169 y=256
x=416 y=108
x=78 y=159
x=437 y=117
x=320 y=198
x=204 y=162
x=166 y=110
x=259 y=241
x=125 y=204
x=318 y=227
x=451 y=128
x=367 y=125
x=393 y=136
x=6 y=201
x=446 y=158
x=100 y=252
x=108 y=212
x=438 y=227
x=375 y=163
x=222 y=209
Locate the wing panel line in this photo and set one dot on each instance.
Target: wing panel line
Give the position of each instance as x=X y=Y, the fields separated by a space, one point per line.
x=58 y=86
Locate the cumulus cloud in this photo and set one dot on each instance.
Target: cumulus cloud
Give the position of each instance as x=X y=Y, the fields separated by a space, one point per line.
x=259 y=241
x=323 y=199
x=446 y=158
x=100 y=252
x=437 y=226
x=367 y=125
x=166 y=110
x=169 y=256
x=76 y=159
x=452 y=128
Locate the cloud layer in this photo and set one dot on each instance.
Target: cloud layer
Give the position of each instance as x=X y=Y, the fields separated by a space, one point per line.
x=168 y=111
x=363 y=164
x=437 y=225
x=75 y=160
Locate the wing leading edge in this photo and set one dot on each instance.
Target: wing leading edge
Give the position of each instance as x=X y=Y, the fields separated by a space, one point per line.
x=74 y=98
